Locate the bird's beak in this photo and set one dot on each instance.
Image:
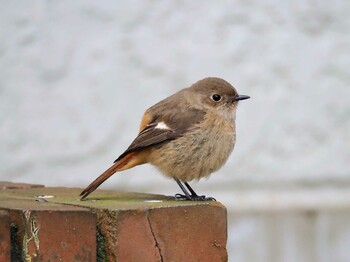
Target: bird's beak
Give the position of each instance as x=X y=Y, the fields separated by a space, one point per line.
x=240 y=97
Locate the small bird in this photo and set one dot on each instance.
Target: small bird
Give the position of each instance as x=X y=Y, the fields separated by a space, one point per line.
x=186 y=136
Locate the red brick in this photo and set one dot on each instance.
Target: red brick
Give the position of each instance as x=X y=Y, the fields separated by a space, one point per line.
x=191 y=233
x=44 y=231
x=5 y=238
x=45 y=235
x=128 y=236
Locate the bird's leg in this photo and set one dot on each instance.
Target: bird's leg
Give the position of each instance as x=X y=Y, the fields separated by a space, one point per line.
x=187 y=196
x=191 y=189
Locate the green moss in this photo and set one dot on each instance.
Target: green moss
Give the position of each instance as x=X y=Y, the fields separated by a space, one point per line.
x=15 y=249
x=101 y=247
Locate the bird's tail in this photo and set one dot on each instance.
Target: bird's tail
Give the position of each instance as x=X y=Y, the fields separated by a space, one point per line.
x=120 y=165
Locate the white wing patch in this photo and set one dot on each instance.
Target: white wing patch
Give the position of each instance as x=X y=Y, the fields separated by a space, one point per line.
x=162 y=125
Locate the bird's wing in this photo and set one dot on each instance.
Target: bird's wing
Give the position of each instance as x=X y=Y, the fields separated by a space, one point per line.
x=164 y=127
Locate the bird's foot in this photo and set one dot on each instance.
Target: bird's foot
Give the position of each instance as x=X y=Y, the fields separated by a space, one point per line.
x=180 y=197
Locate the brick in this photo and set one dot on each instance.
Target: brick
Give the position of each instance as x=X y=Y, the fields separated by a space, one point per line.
x=194 y=233
x=57 y=236
x=179 y=233
x=44 y=231
x=127 y=236
x=5 y=238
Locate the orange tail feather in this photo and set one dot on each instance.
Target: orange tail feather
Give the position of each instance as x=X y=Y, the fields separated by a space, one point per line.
x=117 y=166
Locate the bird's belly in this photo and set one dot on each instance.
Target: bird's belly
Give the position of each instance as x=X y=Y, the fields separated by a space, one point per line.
x=196 y=154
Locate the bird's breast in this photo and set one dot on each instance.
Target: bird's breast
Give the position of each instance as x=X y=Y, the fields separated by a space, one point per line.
x=197 y=153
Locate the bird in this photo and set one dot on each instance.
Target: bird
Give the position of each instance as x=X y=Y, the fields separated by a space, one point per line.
x=186 y=136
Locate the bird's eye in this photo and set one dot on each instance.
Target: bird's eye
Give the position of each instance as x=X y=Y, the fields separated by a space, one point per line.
x=216 y=97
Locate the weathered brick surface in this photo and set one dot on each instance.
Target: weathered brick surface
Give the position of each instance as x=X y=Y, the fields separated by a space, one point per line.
x=161 y=231
x=44 y=231
x=190 y=233
x=5 y=246
x=174 y=233
x=128 y=236
x=130 y=227
x=55 y=235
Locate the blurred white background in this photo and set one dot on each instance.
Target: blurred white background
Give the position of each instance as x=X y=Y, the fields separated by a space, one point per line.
x=76 y=77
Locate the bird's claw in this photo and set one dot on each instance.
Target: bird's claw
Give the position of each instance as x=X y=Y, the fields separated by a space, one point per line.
x=180 y=197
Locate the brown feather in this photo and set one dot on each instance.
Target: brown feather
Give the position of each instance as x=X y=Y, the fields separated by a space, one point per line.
x=146 y=119
x=178 y=122
x=128 y=161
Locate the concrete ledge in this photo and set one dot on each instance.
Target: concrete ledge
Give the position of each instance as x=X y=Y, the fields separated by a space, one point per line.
x=52 y=223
